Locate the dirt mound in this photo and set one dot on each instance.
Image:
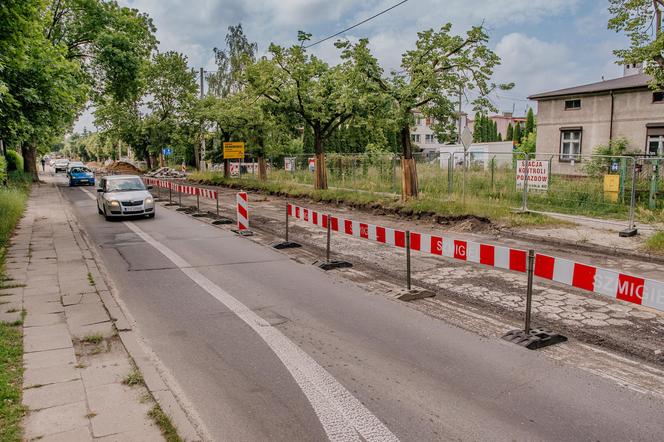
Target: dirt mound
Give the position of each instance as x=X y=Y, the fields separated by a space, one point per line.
x=123 y=168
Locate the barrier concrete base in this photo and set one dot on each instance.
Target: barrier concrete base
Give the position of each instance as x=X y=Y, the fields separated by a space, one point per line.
x=413 y=294
x=628 y=233
x=334 y=264
x=286 y=245
x=222 y=220
x=170 y=204
x=181 y=209
x=537 y=338
x=199 y=214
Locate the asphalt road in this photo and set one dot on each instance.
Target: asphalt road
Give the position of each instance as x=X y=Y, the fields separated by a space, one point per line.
x=266 y=348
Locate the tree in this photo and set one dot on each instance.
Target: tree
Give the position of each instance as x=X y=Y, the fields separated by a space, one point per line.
x=510 y=132
x=232 y=63
x=477 y=128
x=170 y=95
x=516 y=137
x=637 y=18
x=432 y=74
x=530 y=122
x=303 y=86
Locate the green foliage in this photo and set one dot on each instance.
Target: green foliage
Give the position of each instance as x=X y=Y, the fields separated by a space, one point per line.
x=636 y=18
x=605 y=154
x=11 y=375
x=527 y=144
x=232 y=63
x=3 y=170
x=510 y=132
x=14 y=161
x=530 y=122
x=516 y=135
x=655 y=243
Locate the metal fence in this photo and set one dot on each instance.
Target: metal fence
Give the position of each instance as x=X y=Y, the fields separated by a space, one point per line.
x=574 y=185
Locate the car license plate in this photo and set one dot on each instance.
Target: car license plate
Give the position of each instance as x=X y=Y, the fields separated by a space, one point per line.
x=133 y=209
x=84 y=180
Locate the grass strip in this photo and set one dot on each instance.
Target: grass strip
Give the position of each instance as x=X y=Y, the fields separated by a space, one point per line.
x=423 y=207
x=13 y=199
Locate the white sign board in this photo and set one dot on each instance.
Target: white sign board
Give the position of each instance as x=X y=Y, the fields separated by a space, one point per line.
x=289 y=164
x=235 y=169
x=466 y=138
x=538 y=174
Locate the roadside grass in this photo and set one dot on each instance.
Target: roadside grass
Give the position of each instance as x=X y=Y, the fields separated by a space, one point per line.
x=13 y=199
x=95 y=338
x=655 y=243
x=426 y=205
x=164 y=423
x=133 y=378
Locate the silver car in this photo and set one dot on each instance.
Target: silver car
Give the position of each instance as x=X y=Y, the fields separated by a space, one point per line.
x=124 y=195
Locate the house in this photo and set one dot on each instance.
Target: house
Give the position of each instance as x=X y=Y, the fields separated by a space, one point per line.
x=572 y=122
x=422 y=133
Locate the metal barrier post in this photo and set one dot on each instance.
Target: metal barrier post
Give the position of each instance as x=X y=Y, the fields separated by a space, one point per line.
x=329 y=233
x=408 y=259
x=331 y=264
x=529 y=290
x=170 y=192
x=528 y=337
x=179 y=196
x=198 y=206
x=524 y=208
x=217 y=203
x=288 y=244
x=450 y=174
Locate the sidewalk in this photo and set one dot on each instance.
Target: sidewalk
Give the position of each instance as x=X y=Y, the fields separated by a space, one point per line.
x=79 y=382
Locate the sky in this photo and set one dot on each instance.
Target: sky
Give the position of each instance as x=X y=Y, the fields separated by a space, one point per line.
x=543 y=44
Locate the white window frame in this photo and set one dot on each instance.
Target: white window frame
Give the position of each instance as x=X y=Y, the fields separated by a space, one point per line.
x=570 y=138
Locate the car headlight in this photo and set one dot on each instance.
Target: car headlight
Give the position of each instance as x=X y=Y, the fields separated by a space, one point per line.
x=149 y=201
x=114 y=203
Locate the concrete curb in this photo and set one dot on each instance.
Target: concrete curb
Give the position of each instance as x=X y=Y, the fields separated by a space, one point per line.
x=159 y=383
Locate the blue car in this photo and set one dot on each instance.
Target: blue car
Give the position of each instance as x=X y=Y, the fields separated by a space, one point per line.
x=81 y=175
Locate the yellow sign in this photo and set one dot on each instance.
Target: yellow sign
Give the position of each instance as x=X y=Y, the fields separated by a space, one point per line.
x=234 y=150
x=611 y=187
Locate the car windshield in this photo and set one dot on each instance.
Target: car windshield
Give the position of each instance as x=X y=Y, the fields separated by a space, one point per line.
x=79 y=170
x=125 y=184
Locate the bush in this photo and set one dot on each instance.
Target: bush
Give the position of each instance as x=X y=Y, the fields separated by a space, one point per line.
x=14 y=161
x=3 y=170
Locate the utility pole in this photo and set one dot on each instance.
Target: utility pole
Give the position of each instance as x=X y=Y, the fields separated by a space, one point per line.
x=459 y=129
x=201 y=160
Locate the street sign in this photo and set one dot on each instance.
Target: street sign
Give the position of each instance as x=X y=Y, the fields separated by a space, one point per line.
x=289 y=164
x=234 y=150
x=538 y=174
x=167 y=151
x=466 y=138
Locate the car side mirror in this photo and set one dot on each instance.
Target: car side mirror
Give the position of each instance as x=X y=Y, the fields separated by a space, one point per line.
x=100 y=190
x=149 y=187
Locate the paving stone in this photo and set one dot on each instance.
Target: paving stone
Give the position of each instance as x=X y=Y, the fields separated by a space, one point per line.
x=42 y=308
x=49 y=337
x=10 y=317
x=41 y=319
x=85 y=314
x=594 y=323
x=148 y=435
x=53 y=395
x=108 y=373
x=596 y=315
x=50 y=375
x=80 y=434
x=116 y=406
x=54 y=420
x=75 y=286
x=618 y=322
x=643 y=314
x=49 y=358
x=103 y=328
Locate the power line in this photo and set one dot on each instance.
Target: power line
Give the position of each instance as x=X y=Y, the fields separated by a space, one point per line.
x=357 y=24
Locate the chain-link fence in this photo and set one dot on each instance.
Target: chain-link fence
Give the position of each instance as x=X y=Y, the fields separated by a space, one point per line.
x=592 y=185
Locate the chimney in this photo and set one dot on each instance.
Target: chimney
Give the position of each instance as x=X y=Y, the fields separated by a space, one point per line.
x=632 y=69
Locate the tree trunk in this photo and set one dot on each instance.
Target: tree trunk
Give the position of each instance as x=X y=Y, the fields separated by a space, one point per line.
x=262 y=169
x=408 y=168
x=29 y=153
x=320 y=174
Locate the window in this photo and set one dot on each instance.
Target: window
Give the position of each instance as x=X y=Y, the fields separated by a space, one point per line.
x=429 y=121
x=658 y=97
x=429 y=138
x=572 y=104
x=655 y=140
x=570 y=144
x=419 y=121
x=415 y=138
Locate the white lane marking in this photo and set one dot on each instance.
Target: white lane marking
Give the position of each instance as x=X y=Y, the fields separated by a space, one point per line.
x=340 y=413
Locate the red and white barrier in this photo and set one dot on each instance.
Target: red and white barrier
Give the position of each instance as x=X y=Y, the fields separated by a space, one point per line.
x=207 y=193
x=616 y=285
x=242 y=211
